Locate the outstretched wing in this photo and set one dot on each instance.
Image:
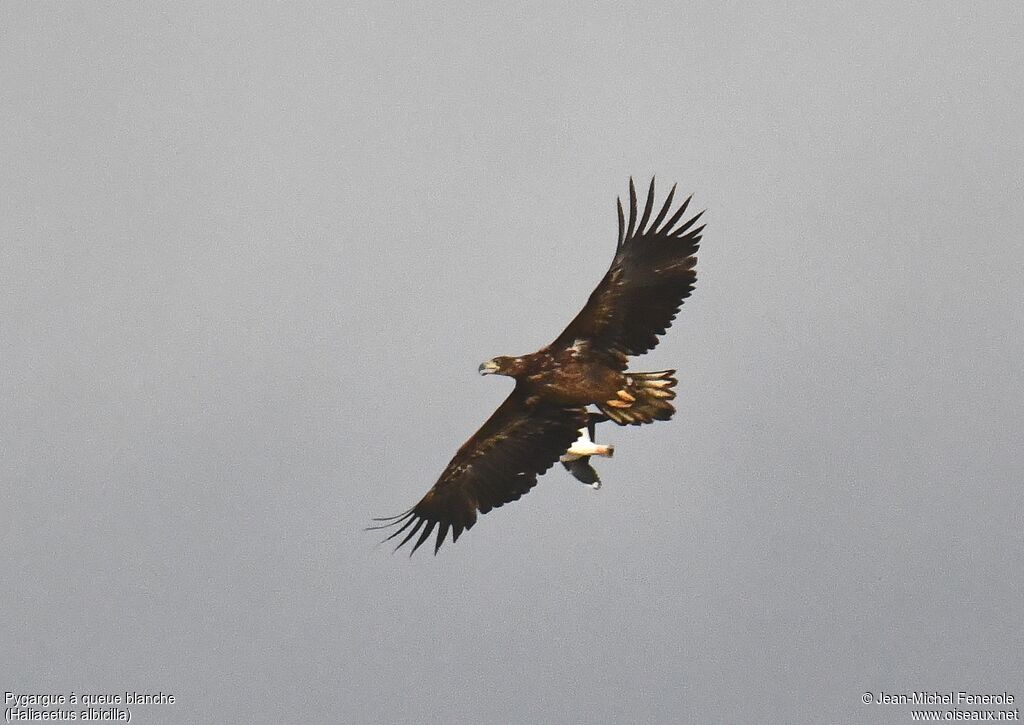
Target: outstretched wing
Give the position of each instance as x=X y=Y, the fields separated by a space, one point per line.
x=498 y=464
x=650 y=276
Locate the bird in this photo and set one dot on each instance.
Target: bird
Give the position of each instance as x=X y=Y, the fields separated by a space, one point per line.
x=576 y=460
x=651 y=273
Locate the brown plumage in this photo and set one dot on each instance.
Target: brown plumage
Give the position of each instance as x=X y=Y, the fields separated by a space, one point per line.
x=651 y=274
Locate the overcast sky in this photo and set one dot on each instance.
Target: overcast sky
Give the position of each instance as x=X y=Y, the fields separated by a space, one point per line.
x=252 y=256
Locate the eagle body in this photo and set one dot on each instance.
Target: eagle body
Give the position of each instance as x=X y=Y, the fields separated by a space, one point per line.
x=651 y=273
x=563 y=376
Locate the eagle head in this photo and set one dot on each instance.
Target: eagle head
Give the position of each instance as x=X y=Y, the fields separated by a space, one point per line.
x=501 y=365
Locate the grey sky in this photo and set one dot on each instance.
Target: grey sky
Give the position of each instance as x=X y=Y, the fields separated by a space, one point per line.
x=252 y=257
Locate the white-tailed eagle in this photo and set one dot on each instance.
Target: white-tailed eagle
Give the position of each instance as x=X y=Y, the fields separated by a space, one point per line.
x=652 y=272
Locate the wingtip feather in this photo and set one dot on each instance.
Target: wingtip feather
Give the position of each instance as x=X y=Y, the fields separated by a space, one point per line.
x=647 y=209
x=412 y=532
x=668 y=228
x=632 y=209
x=689 y=223
x=622 y=224
x=664 y=209
x=442 y=532
x=427 y=531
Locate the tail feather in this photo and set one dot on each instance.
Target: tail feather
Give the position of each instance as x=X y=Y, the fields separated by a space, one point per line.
x=643 y=399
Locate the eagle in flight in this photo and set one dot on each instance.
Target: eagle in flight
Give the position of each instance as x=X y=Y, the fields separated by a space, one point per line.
x=652 y=272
